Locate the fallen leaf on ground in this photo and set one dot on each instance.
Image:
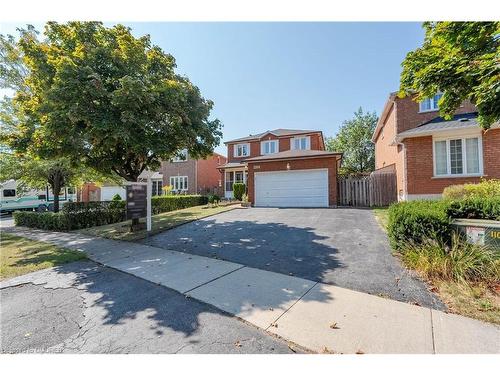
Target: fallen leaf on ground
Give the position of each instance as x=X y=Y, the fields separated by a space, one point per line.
x=334 y=325
x=360 y=352
x=238 y=344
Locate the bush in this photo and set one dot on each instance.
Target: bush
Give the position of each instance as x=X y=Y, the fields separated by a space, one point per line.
x=213 y=199
x=416 y=221
x=484 y=189
x=116 y=197
x=41 y=220
x=475 y=208
x=462 y=261
x=168 y=203
x=239 y=189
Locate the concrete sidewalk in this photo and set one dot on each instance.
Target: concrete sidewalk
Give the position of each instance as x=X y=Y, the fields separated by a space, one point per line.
x=320 y=317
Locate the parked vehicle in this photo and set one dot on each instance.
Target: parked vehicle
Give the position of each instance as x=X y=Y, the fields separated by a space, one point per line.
x=13 y=199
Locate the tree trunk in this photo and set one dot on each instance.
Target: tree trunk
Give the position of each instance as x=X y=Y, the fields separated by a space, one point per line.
x=56 y=189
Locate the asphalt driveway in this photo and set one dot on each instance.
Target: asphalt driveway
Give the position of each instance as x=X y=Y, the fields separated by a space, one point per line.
x=344 y=247
x=82 y=307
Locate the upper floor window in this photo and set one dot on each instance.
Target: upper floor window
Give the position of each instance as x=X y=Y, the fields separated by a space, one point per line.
x=301 y=143
x=269 y=147
x=181 y=156
x=430 y=104
x=458 y=156
x=241 y=150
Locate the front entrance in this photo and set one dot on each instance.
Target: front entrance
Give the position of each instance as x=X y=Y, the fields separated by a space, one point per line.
x=230 y=178
x=298 y=188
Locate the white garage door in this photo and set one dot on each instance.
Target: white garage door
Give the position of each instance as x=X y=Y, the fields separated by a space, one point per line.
x=305 y=188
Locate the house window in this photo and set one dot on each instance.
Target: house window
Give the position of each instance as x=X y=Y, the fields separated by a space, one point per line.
x=241 y=150
x=430 y=104
x=457 y=156
x=301 y=143
x=269 y=147
x=179 y=183
x=181 y=156
x=156 y=186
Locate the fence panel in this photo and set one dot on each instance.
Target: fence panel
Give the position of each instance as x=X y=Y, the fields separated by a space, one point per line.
x=377 y=189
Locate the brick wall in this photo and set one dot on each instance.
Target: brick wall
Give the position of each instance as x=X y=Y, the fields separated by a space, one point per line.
x=280 y=165
x=284 y=145
x=182 y=168
x=209 y=178
x=408 y=116
x=420 y=170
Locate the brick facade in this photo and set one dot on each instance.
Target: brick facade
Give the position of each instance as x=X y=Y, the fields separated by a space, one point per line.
x=316 y=140
x=329 y=163
x=420 y=167
x=414 y=162
x=203 y=175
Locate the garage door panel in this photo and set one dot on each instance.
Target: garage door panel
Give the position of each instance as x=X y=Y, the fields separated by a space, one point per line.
x=292 y=189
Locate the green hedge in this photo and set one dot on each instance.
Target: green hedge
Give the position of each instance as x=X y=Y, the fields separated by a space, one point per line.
x=415 y=221
x=166 y=203
x=41 y=220
x=475 y=208
x=239 y=189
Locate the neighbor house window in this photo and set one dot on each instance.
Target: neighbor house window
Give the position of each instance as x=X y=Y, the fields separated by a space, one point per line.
x=457 y=156
x=179 y=183
x=156 y=186
x=241 y=150
x=181 y=156
x=301 y=143
x=430 y=104
x=269 y=147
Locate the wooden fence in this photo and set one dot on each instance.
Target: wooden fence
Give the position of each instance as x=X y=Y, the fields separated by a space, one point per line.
x=377 y=189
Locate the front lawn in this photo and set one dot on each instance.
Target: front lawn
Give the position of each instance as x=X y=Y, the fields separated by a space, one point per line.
x=160 y=223
x=19 y=255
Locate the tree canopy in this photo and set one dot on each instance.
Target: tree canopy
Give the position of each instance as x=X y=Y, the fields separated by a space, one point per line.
x=354 y=140
x=102 y=98
x=461 y=60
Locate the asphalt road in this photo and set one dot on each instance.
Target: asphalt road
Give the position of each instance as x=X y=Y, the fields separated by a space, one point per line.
x=343 y=247
x=82 y=307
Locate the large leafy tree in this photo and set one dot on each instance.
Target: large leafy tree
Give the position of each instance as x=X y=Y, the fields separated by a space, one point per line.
x=354 y=140
x=460 y=59
x=102 y=98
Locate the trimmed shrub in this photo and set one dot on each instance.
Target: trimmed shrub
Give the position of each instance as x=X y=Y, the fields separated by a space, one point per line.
x=484 y=189
x=166 y=203
x=41 y=220
x=415 y=221
x=239 y=189
x=213 y=199
x=475 y=208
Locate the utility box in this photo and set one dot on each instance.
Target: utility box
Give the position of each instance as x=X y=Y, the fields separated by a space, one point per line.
x=481 y=232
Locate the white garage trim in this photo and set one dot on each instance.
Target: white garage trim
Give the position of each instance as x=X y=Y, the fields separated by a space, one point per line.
x=294 y=188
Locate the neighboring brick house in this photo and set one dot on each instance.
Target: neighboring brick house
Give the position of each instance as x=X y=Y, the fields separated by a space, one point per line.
x=193 y=176
x=283 y=168
x=429 y=153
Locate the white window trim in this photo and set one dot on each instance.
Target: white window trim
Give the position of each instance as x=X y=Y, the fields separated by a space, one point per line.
x=462 y=137
x=178 y=159
x=172 y=182
x=235 y=151
x=308 y=142
x=263 y=146
x=434 y=109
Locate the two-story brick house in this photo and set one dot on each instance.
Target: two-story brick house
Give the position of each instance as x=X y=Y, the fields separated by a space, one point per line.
x=283 y=168
x=430 y=153
x=193 y=176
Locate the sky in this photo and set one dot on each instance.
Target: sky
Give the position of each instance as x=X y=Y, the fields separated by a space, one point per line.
x=263 y=76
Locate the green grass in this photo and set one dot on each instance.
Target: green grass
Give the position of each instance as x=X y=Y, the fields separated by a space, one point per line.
x=19 y=256
x=382 y=216
x=160 y=223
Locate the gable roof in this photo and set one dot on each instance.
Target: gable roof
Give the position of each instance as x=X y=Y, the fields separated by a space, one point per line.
x=277 y=132
x=383 y=116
